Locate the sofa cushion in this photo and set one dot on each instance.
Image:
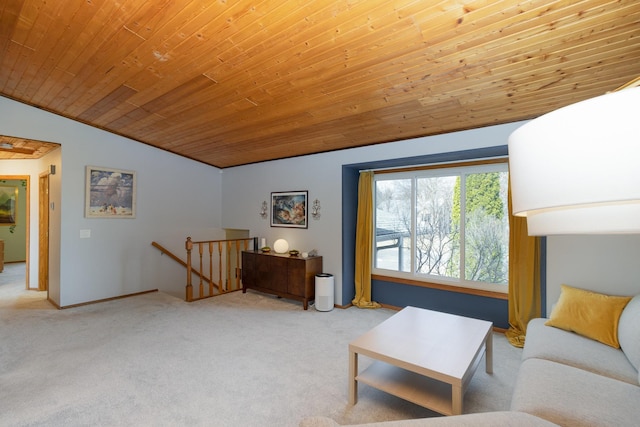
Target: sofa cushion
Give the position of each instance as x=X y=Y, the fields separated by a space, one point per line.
x=493 y=419
x=629 y=331
x=546 y=342
x=590 y=314
x=570 y=396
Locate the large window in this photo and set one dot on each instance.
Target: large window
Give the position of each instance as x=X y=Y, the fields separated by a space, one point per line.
x=445 y=225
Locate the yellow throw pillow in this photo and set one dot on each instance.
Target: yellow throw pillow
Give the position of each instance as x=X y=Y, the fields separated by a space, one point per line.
x=589 y=314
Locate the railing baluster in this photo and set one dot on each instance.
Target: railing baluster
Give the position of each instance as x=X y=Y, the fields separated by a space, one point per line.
x=229 y=264
x=226 y=282
x=211 y=268
x=236 y=268
x=188 y=246
x=201 y=283
x=223 y=286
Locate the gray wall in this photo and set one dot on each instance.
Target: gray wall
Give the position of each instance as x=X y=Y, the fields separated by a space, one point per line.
x=176 y=197
x=179 y=197
x=245 y=187
x=606 y=264
x=602 y=263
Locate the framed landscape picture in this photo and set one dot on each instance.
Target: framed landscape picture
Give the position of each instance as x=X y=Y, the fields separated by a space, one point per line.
x=289 y=209
x=110 y=193
x=8 y=201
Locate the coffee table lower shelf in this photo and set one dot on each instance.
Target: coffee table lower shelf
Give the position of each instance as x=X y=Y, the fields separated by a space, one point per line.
x=407 y=385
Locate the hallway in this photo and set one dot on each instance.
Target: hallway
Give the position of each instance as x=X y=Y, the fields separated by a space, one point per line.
x=12 y=286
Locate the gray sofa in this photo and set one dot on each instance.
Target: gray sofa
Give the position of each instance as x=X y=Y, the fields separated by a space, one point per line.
x=565 y=379
x=575 y=381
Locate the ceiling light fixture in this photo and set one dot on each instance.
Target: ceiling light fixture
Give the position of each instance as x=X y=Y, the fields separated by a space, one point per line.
x=576 y=170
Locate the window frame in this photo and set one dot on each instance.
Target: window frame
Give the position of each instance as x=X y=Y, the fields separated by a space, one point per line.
x=499 y=164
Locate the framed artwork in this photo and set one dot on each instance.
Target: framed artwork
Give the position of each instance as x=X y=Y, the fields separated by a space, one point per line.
x=110 y=193
x=8 y=203
x=289 y=209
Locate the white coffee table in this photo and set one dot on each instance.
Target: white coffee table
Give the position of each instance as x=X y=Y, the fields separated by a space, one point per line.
x=423 y=356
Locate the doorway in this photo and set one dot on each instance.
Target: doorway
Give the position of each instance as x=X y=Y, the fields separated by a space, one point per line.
x=43 y=232
x=16 y=234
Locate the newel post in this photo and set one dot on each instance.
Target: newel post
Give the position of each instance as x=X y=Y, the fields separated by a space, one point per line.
x=188 y=246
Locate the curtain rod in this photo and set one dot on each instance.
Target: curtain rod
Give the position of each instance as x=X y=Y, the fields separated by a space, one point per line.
x=452 y=163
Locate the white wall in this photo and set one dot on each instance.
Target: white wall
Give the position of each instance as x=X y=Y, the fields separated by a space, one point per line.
x=176 y=197
x=602 y=263
x=179 y=198
x=55 y=219
x=605 y=264
x=245 y=187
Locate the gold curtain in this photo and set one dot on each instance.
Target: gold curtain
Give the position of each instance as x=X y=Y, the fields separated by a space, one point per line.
x=364 y=242
x=524 y=278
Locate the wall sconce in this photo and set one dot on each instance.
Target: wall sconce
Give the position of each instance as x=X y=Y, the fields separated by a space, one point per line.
x=264 y=209
x=575 y=170
x=315 y=209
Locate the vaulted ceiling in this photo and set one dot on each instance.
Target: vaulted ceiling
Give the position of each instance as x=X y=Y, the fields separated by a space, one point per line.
x=22 y=148
x=236 y=82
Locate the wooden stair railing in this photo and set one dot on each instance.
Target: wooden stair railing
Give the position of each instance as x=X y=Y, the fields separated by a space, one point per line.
x=177 y=259
x=168 y=252
x=221 y=259
x=211 y=253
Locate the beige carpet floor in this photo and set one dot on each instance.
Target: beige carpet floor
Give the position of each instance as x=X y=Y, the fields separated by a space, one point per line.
x=233 y=360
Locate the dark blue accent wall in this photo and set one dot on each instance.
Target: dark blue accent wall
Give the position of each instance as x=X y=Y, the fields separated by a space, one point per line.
x=350 y=176
x=401 y=295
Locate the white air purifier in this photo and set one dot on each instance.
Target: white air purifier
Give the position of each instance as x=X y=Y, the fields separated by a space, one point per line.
x=324 y=292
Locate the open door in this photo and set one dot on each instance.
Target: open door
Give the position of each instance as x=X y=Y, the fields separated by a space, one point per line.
x=43 y=232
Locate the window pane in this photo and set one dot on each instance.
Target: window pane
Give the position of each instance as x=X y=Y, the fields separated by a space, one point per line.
x=446 y=225
x=486 y=228
x=437 y=233
x=393 y=225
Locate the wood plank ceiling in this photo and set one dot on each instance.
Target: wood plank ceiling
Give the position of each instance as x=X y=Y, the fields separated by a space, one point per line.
x=237 y=82
x=21 y=148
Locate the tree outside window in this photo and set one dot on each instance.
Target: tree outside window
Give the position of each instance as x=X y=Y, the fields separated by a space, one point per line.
x=450 y=224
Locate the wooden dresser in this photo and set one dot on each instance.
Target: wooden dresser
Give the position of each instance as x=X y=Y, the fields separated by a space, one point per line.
x=281 y=274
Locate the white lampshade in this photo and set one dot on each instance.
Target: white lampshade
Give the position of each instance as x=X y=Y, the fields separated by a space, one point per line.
x=281 y=246
x=576 y=170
